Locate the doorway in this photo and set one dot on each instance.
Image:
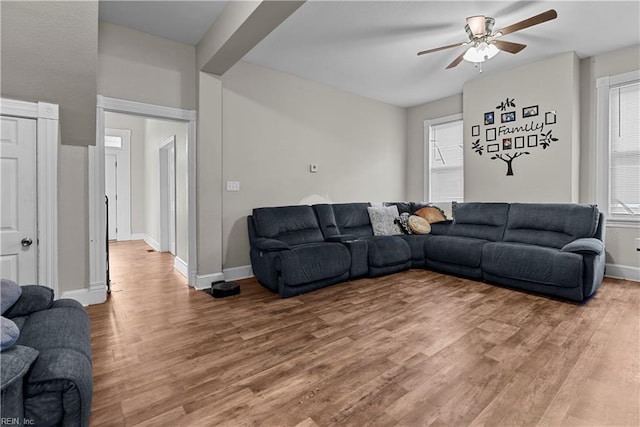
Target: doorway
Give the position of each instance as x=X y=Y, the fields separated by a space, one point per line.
x=167 y=156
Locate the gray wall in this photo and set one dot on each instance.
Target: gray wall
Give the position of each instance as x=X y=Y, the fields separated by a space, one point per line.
x=621 y=246
x=49 y=53
x=140 y=67
x=415 y=174
x=545 y=175
x=275 y=125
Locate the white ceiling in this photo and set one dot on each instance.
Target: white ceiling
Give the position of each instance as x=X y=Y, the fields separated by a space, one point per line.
x=369 y=47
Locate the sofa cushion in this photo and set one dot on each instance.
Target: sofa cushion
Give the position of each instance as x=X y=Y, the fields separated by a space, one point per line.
x=10 y=291
x=293 y=225
x=353 y=218
x=432 y=214
x=15 y=364
x=387 y=250
x=383 y=220
x=419 y=225
x=479 y=220
x=403 y=221
x=313 y=262
x=544 y=265
x=459 y=250
x=550 y=225
x=403 y=207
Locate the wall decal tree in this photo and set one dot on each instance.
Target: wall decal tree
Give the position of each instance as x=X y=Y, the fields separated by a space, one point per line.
x=508 y=159
x=477 y=147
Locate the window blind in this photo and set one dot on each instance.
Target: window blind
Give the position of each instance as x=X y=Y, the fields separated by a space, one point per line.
x=624 y=150
x=446 y=178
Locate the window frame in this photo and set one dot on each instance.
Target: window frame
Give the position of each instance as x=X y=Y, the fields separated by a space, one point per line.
x=427 y=153
x=603 y=144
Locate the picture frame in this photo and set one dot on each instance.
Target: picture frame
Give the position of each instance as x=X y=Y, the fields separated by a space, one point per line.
x=475 y=130
x=532 y=141
x=519 y=142
x=550 y=118
x=530 y=111
x=488 y=118
x=509 y=116
x=507 y=143
x=491 y=134
x=493 y=148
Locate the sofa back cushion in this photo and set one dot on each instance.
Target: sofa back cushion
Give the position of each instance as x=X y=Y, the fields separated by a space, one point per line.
x=479 y=220
x=353 y=218
x=293 y=225
x=550 y=224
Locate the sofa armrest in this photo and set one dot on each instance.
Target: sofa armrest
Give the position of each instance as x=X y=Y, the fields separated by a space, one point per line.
x=585 y=246
x=34 y=298
x=269 y=245
x=341 y=238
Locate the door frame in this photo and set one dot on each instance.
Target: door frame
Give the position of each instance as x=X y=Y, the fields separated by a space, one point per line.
x=123 y=171
x=97 y=214
x=167 y=226
x=47 y=119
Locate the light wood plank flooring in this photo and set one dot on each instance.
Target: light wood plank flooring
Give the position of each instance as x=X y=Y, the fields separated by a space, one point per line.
x=415 y=348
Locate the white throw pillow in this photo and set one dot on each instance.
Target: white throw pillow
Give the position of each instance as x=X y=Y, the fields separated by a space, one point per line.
x=383 y=220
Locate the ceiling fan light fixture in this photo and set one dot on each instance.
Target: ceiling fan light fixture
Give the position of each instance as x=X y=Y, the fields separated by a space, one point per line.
x=480 y=53
x=476 y=25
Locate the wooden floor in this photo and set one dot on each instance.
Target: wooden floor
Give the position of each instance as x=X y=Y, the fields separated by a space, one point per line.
x=415 y=348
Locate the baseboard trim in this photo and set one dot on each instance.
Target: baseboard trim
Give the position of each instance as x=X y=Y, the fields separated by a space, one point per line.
x=625 y=272
x=237 y=273
x=96 y=294
x=137 y=236
x=181 y=266
x=204 y=281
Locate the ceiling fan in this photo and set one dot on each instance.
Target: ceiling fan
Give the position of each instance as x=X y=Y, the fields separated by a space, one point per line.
x=485 y=44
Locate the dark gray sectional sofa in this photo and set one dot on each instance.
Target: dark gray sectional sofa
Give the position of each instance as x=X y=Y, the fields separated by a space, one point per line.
x=553 y=249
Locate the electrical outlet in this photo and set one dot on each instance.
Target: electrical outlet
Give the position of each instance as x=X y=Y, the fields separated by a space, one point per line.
x=233 y=185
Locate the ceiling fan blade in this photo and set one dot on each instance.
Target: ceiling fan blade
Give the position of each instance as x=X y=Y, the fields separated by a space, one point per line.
x=437 y=49
x=509 y=46
x=529 y=22
x=456 y=61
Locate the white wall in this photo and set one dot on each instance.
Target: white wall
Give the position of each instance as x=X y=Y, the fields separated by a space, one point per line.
x=542 y=175
x=275 y=125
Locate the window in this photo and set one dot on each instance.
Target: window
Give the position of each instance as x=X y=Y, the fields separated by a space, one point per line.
x=113 y=141
x=619 y=146
x=443 y=147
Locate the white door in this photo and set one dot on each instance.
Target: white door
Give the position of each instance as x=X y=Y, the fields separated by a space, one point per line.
x=111 y=190
x=18 y=194
x=117 y=182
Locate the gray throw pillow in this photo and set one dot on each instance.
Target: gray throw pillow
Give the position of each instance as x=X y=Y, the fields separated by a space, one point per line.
x=383 y=220
x=9 y=335
x=10 y=291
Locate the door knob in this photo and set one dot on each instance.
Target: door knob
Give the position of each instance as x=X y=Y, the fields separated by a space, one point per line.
x=26 y=242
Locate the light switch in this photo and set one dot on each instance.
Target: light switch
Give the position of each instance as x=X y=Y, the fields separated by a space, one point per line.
x=233 y=185
x=313 y=168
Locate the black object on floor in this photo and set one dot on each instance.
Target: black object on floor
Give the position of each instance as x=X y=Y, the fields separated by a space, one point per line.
x=223 y=289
